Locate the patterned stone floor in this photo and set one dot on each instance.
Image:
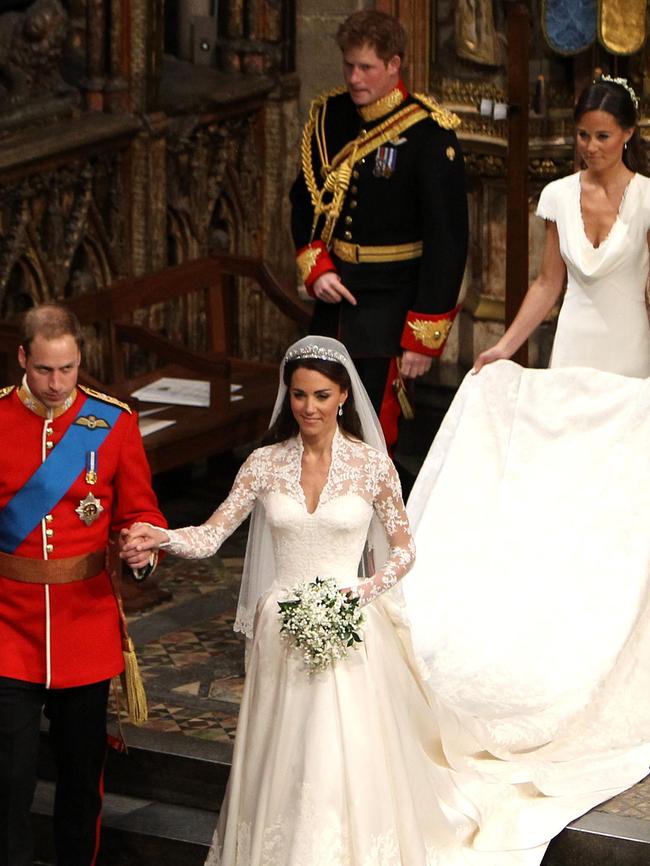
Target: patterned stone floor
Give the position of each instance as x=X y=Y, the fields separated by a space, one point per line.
x=193 y=663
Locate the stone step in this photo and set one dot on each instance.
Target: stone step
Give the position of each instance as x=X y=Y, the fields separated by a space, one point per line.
x=170 y=788
x=135 y=831
x=601 y=839
x=140 y=832
x=169 y=768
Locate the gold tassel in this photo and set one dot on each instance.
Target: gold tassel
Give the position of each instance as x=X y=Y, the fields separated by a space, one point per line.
x=132 y=685
x=404 y=403
x=402 y=395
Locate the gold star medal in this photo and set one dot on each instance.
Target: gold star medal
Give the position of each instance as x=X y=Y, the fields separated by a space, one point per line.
x=89 y=509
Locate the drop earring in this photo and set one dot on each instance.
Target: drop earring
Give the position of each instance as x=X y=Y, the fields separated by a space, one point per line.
x=340 y=410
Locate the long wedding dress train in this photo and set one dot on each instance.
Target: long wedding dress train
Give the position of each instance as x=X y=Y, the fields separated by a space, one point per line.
x=529 y=600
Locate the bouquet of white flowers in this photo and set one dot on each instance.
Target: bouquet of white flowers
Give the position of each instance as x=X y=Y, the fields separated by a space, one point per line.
x=321 y=621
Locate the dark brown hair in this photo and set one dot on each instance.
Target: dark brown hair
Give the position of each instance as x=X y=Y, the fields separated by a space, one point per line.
x=381 y=31
x=616 y=100
x=286 y=426
x=50 y=320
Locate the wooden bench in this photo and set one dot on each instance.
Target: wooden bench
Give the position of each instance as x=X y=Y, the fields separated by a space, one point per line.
x=196 y=432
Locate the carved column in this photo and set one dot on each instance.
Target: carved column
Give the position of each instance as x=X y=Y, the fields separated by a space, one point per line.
x=116 y=91
x=517 y=229
x=415 y=15
x=95 y=72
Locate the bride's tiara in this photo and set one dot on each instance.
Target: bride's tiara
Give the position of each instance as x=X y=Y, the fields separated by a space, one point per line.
x=318 y=352
x=623 y=83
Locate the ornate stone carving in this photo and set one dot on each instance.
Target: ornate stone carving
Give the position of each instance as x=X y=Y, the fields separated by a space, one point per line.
x=485 y=164
x=63 y=222
x=31 y=49
x=205 y=162
x=214 y=186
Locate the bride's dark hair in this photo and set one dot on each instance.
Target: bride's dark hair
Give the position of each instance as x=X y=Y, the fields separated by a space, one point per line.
x=286 y=426
x=616 y=100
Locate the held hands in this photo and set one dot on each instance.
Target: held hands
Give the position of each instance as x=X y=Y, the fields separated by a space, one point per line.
x=329 y=289
x=137 y=543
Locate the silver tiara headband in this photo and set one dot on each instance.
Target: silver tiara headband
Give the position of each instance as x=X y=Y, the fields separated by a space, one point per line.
x=623 y=83
x=319 y=352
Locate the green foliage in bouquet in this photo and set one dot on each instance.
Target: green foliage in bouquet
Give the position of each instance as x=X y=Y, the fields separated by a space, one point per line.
x=321 y=622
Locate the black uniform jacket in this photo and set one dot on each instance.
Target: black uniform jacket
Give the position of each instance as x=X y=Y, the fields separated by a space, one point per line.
x=409 y=189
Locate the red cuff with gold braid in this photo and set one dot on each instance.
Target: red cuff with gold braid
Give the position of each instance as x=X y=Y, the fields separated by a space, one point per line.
x=313 y=260
x=427 y=333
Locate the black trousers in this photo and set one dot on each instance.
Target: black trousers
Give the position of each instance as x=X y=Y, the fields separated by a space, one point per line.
x=78 y=736
x=373 y=372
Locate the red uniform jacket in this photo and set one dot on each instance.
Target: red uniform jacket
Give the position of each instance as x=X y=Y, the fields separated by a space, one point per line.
x=68 y=634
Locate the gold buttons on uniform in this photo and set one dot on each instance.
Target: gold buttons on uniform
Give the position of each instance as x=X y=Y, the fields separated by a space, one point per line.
x=49 y=444
x=363 y=132
x=49 y=548
x=348 y=220
x=354 y=190
x=49 y=518
x=49 y=533
x=347 y=236
x=355 y=175
x=353 y=204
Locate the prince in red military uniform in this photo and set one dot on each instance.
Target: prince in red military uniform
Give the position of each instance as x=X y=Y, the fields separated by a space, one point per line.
x=379 y=213
x=72 y=470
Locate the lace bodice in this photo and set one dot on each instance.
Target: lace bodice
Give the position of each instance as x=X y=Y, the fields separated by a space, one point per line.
x=327 y=542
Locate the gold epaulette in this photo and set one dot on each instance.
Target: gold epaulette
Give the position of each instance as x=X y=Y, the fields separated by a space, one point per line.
x=6 y=391
x=323 y=97
x=442 y=116
x=98 y=395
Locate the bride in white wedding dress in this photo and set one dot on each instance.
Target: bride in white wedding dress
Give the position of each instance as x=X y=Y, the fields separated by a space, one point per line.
x=340 y=767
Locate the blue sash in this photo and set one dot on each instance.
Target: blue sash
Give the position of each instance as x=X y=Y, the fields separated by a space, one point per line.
x=55 y=475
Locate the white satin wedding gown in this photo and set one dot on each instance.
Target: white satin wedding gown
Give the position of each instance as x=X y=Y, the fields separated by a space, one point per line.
x=341 y=767
x=530 y=601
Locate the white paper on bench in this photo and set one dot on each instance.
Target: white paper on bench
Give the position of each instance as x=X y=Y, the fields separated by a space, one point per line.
x=153 y=425
x=181 y=392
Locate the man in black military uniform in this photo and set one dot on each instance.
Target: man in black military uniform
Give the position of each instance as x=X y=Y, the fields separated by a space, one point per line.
x=379 y=213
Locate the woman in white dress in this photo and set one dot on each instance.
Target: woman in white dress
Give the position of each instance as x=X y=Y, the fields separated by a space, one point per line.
x=597 y=225
x=335 y=768
x=530 y=600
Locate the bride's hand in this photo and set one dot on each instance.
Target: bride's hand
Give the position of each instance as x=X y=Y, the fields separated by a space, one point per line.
x=137 y=542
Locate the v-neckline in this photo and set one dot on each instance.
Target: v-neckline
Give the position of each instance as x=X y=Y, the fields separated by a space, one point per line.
x=616 y=218
x=301 y=450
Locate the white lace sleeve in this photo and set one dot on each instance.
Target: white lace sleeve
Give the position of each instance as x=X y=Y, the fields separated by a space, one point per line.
x=198 y=542
x=389 y=506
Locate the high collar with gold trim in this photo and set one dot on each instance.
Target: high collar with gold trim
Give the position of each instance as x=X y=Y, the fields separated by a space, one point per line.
x=34 y=404
x=382 y=107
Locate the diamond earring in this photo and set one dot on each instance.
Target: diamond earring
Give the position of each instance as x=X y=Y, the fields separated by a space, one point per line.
x=340 y=410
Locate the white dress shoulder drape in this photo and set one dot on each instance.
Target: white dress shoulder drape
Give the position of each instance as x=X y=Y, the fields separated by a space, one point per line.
x=603 y=321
